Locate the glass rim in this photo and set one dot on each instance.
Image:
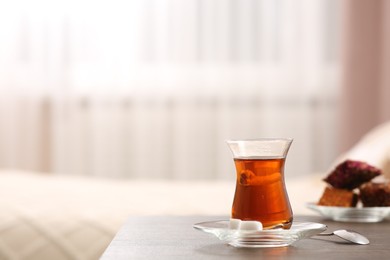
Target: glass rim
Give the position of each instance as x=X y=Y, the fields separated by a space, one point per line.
x=288 y=139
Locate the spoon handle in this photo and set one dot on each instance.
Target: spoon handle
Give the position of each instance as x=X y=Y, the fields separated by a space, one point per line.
x=325 y=234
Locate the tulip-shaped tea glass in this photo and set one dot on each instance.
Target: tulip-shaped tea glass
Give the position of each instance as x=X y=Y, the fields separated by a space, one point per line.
x=260 y=186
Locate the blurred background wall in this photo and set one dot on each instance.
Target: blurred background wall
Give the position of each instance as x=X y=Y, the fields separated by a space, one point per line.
x=365 y=61
x=153 y=88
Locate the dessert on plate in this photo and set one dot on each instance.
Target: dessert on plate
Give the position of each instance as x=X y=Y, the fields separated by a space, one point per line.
x=352 y=182
x=338 y=197
x=351 y=174
x=375 y=194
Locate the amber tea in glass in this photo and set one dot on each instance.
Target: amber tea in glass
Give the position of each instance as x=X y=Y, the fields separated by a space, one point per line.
x=260 y=187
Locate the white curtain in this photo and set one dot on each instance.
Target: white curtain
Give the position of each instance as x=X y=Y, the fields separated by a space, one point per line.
x=152 y=88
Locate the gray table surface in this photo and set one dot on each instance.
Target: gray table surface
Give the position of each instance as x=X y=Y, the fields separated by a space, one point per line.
x=172 y=237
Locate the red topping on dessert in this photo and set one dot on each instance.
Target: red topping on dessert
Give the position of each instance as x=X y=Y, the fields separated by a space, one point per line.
x=351 y=174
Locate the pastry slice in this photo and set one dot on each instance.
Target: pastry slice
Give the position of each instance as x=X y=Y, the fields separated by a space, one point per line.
x=338 y=198
x=375 y=194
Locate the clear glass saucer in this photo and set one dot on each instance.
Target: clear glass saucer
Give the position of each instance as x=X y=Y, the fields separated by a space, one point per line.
x=263 y=238
x=357 y=214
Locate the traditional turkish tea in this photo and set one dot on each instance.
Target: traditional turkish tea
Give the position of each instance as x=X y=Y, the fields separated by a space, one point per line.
x=261 y=193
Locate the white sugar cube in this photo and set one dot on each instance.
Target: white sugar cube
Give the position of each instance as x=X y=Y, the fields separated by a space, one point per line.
x=234 y=223
x=245 y=225
x=251 y=225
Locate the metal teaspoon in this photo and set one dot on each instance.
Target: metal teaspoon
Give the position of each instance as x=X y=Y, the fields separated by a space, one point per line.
x=349 y=235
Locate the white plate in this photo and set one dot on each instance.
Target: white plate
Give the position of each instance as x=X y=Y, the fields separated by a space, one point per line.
x=263 y=238
x=357 y=214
